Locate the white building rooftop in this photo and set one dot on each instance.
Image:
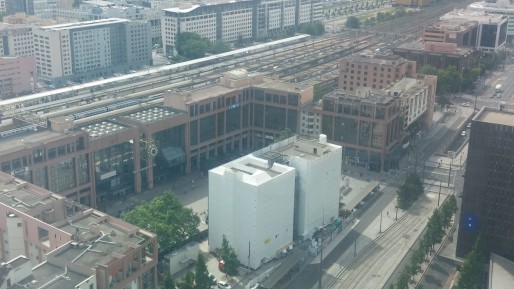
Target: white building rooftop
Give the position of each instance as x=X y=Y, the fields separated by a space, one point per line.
x=83 y=24
x=253 y=170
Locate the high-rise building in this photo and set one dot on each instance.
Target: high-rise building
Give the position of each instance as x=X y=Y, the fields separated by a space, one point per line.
x=251 y=205
x=87 y=50
x=488 y=193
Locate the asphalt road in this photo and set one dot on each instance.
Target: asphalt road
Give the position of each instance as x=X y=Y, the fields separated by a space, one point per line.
x=310 y=275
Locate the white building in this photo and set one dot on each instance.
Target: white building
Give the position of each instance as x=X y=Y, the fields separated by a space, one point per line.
x=318 y=171
x=87 y=50
x=251 y=203
x=492 y=28
x=414 y=98
x=95 y=10
x=501 y=7
x=16 y=40
x=231 y=20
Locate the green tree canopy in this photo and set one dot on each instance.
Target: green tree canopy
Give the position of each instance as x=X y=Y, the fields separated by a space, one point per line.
x=166 y=217
x=353 y=22
x=229 y=256
x=188 y=282
x=409 y=191
x=219 y=47
x=202 y=278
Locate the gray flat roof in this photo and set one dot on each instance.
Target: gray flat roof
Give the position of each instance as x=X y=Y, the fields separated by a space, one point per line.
x=44 y=273
x=31 y=139
x=13 y=195
x=101 y=246
x=501 y=272
x=503 y=117
x=93 y=23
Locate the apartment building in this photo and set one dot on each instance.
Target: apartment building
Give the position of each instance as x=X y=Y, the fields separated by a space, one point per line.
x=17 y=76
x=487 y=193
x=57 y=243
x=127 y=150
x=231 y=20
x=375 y=72
x=87 y=50
x=368 y=125
x=17 y=40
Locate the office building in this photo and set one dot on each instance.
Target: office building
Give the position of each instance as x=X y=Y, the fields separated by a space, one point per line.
x=17 y=40
x=416 y=101
x=487 y=196
x=96 y=10
x=367 y=124
x=438 y=55
x=458 y=31
x=500 y=7
x=2 y=7
x=492 y=28
x=69 y=245
x=250 y=203
x=13 y=6
x=42 y=8
x=375 y=72
x=318 y=169
x=231 y=20
x=17 y=76
x=127 y=149
x=87 y=50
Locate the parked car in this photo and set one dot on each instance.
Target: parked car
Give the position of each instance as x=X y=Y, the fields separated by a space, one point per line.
x=213 y=278
x=463 y=133
x=224 y=285
x=469 y=125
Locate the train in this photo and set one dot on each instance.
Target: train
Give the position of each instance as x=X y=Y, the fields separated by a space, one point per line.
x=16 y=131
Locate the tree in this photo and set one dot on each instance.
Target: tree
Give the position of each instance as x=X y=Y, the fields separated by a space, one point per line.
x=472 y=270
x=219 y=47
x=168 y=282
x=229 y=256
x=202 y=278
x=188 y=282
x=166 y=217
x=191 y=45
x=353 y=22
x=409 y=191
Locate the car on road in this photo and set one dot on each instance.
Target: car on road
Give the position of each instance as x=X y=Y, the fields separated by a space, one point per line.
x=224 y=285
x=469 y=125
x=463 y=133
x=499 y=95
x=466 y=104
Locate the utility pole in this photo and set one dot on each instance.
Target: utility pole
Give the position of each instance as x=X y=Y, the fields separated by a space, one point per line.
x=439 y=197
x=321 y=250
x=380 y=229
x=450 y=173
x=396 y=217
x=355 y=248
